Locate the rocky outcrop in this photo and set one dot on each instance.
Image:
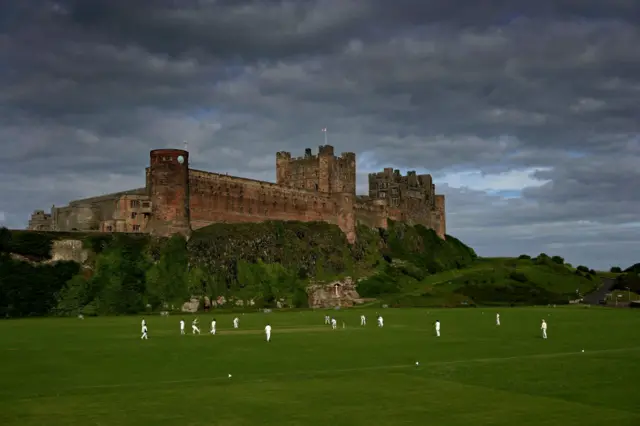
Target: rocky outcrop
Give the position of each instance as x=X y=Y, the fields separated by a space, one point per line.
x=69 y=250
x=192 y=305
x=341 y=293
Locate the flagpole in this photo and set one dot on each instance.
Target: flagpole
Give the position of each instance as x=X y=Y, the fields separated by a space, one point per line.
x=325 y=135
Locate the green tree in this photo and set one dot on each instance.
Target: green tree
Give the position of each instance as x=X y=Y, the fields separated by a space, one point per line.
x=118 y=285
x=616 y=269
x=168 y=280
x=73 y=297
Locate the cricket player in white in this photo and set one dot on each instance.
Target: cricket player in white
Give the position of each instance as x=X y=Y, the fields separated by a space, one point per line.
x=543 y=327
x=213 y=327
x=181 y=326
x=363 y=320
x=497 y=319
x=334 y=323
x=380 y=321
x=144 y=332
x=438 y=328
x=267 y=332
x=194 y=326
x=327 y=319
x=236 y=322
x=143 y=325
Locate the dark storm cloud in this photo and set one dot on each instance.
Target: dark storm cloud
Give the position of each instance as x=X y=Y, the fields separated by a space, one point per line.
x=88 y=87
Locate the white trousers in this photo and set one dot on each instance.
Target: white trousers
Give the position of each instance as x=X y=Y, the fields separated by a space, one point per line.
x=144 y=335
x=544 y=333
x=438 y=333
x=195 y=329
x=268 y=337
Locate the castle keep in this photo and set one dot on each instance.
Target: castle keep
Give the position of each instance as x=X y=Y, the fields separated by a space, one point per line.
x=316 y=187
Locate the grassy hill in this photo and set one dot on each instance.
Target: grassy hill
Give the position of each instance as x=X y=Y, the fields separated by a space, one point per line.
x=495 y=281
x=273 y=261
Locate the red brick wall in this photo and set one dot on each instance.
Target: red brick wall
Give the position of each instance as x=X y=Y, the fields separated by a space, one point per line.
x=169 y=191
x=372 y=214
x=220 y=198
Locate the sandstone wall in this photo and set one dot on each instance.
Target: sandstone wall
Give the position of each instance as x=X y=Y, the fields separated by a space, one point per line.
x=371 y=213
x=220 y=198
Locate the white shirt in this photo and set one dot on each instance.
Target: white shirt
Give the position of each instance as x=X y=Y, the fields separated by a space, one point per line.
x=181 y=324
x=213 y=324
x=380 y=319
x=144 y=328
x=333 y=321
x=267 y=329
x=144 y=323
x=544 y=325
x=437 y=325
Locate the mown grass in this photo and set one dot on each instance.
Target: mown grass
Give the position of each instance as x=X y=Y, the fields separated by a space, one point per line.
x=98 y=372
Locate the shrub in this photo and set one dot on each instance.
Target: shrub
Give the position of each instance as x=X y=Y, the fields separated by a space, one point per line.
x=518 y=276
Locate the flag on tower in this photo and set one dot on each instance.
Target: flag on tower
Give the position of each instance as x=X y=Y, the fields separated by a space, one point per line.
x=324 y=130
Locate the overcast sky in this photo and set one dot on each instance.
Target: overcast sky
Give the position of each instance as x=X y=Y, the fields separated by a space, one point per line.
x=526 y=114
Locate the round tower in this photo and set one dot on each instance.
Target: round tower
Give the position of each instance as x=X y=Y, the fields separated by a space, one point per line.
x=169 y=191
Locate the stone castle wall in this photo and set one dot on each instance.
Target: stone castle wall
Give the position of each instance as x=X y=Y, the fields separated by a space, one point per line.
x=216 y=197
x=320 y=187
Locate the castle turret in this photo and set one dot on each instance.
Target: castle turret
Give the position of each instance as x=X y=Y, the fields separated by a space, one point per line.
x=283 y=167
x=325 y=168
x=441 y=228
x=169 y=191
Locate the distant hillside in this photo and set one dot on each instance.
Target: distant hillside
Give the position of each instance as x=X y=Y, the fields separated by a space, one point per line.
x=45 y=273
x=496 y=281
x=124 y=273
x=633 y=268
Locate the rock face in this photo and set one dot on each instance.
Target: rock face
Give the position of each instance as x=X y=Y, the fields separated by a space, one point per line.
x=329 y=295
x=191 y=306
x=69 y=250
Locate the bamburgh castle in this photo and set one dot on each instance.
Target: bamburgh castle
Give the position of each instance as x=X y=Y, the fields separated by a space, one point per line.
x=316 y=187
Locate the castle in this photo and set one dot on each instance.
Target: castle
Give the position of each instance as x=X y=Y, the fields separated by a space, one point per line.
x=316 y=187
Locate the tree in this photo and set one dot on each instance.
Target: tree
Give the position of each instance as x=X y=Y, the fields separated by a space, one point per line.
x=557 y=259
x=73 y=297
x=168 y=280
x=616 y=269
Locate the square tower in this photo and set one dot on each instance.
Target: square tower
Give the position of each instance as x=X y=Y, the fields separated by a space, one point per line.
x=323 y=172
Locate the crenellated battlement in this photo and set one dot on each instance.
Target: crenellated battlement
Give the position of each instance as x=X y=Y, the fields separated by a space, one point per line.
x=314 y=187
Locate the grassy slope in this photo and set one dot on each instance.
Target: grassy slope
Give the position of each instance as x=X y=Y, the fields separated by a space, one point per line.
x=97 y=371
x=447 y=288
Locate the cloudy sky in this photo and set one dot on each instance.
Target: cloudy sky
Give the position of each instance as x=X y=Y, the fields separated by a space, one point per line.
x=526 y=113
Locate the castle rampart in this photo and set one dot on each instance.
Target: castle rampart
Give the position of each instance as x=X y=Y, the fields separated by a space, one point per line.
x=314 y=187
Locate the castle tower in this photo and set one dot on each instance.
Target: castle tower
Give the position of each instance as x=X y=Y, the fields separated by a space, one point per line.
x=169 y=192
x=283 y=167
x=325 y=168
x=441 y=228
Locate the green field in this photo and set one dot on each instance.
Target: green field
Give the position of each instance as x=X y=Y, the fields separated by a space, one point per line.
x=98 y=372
